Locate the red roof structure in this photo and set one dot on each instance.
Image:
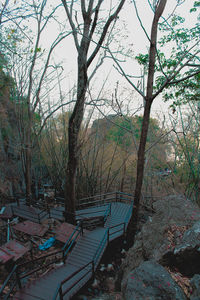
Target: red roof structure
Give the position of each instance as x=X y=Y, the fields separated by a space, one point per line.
x=31 y=228
x=64 y=231
x=12 y=250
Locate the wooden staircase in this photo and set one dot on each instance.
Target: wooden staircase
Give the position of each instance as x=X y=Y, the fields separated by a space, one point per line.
x=81 y=263
x=84 y=250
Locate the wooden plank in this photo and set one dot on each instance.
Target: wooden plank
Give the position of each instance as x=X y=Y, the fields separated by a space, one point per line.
x=83 y=252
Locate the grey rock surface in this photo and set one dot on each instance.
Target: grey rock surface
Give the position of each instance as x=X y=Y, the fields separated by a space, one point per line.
x=195 y=284
x=151 y=242
x=186 y=256
x=151 y=281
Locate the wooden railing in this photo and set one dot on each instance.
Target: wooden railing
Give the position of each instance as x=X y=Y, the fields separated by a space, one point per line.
x=90 y=266
x=102 y=199
x=23 y=213
x=16 y=275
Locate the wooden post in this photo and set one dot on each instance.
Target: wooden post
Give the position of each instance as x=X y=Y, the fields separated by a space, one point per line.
x=93 y=268
x=63 y=256
x=60 y=293
x=18 y=279
x=124 y=228
x=81 y=227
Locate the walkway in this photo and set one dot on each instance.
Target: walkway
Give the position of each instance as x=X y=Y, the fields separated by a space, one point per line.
x=82 y=261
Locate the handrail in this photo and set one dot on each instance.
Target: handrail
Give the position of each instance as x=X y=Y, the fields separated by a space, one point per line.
x=93 y=261
x=59 y=288
x=8 y=279
x=38 y=258
x=107 y=213
x=101 y=195
x=97 y=202
x=101 y=200
x=68 y=245
x=126 y=194
x=101 y=245
x=26 y=213
x=89 y=212
x=123 y=224
x=64 y=251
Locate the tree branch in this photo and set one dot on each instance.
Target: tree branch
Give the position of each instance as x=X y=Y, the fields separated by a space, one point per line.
x=71 y=24
x=105 y=29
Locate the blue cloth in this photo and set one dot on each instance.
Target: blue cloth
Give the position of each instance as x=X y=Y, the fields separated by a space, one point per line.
x=47 y=244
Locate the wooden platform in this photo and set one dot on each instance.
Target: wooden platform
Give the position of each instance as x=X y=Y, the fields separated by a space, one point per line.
x=88 y=247
x=28 y=213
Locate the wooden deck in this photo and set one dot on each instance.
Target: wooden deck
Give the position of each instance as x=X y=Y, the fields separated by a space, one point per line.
x=84 y=258
x=27 y=213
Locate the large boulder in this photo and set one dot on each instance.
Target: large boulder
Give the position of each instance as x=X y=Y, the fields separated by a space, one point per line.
x=151 y=281
x=163 y=231
x=195 y=284
x=186 y=256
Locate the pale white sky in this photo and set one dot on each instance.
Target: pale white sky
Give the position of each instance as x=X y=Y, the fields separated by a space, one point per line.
x=139 y=42
x=135 y=39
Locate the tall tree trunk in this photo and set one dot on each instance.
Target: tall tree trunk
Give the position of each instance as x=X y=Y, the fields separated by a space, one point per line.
x=28 y=174
x=146 y=116
x=73 y=132
x=90 y=16
x=28 y=158
x=140 y=164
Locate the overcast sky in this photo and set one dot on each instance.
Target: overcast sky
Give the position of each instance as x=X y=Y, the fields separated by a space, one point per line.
x=139 y=43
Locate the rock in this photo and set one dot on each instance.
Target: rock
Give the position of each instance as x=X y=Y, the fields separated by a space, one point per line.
x=191 y=237
x=151 y=281
x=110 y=284
x=152 y=242
x=82 y=297
x=195 y=284
x=186 y=256
x=112 y=296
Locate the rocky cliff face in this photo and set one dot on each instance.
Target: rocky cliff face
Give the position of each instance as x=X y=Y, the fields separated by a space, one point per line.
x=167 y=246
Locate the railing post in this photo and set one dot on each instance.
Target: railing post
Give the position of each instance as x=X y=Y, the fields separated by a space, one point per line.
x=81 y=227
x=93 y=268
x=12 y=209
x=60 y=293
x=18 y=279
x=108 y=235
x=63 y=256
x=116 y=196
x=39 y=218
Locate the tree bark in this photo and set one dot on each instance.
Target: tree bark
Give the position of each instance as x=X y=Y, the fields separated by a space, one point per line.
x=146 y=117
x=28 y=157
x=73 y=132
x=82 y=83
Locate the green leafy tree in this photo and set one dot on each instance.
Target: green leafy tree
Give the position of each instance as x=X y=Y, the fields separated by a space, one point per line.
x=163 y=72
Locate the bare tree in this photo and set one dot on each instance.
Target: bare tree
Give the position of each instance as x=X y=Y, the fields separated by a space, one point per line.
x=32 y=71
x=87 y=51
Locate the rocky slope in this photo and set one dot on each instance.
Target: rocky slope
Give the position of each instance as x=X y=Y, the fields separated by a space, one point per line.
x=166 y=254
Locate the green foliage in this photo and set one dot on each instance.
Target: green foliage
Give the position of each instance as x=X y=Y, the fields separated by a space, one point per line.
x=142 y=59
x=125 y=129
x=196 y=4
x=179 y=40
